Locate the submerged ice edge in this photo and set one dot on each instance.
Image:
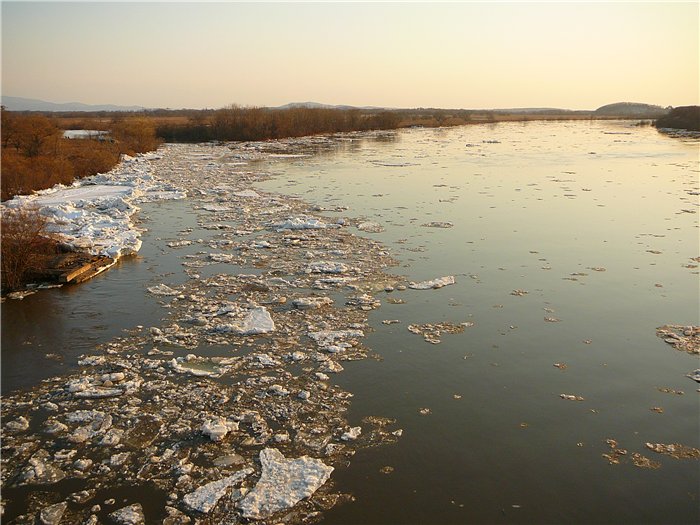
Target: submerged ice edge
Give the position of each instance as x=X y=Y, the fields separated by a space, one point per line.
x=95 y=213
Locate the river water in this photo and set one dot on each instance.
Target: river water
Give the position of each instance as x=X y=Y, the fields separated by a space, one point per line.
x=570 y=243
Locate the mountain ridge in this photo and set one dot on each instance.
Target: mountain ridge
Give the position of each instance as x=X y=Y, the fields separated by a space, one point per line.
x=34 y=104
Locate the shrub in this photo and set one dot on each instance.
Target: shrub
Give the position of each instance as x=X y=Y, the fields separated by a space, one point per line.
x=26 y=248
x=135 y=135
x=22 y=175
x=89 y=156
x=31 y=135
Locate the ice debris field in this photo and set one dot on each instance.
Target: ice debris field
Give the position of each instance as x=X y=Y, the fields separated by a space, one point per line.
x=253 y=432
x=95 y=213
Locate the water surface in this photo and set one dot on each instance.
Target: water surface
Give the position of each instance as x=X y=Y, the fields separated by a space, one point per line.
x=543 y=208
x=596 y=221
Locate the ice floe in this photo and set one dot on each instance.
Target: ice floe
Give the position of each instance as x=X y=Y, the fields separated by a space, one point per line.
x=308 y=303
x=283 y=483
x=207 y=496
x=434 y=283
x=257 y=321
x=327 y=267
x=131 y=515
x=301 y=223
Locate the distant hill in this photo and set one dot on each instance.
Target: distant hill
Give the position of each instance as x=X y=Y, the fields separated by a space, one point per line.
x=631 y=109
x=32 y=104
x=684 y=117
x=544 y=111
x=317 y=105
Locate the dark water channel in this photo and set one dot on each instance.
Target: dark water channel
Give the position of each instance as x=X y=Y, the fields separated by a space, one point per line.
x=538 y=207
x=532 y=206
x=44 y=333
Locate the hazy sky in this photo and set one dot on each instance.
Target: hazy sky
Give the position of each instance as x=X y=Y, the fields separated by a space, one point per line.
x=457 y=55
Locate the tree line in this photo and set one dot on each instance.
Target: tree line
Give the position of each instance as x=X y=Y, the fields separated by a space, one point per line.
x=235 y=123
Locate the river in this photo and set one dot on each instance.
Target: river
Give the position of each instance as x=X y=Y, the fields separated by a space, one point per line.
x=570 y=243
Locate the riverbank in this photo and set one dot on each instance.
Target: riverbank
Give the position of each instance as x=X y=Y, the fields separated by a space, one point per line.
x=94 y=216
x=683 y=118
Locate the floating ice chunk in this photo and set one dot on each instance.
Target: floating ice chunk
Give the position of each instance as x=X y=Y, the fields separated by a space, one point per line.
x=85 y=416
x=438 y=224
x=571 y=397
x=179 y=244
x=131 y=515
x=301 y=223
x=99 y=393
x=214 y=207
x=297 y=356
x=326 y=267
x=20 y=294
x=162 y=289
x=283 y=483
x=117 y=460
x=325 y=338
x=247 y=194
x=311 y=303
x=364 y=302
x=205 y=498
x=37 y=472
x=217 y=428
x=18 y=425
x=352 y=434
x=92 y=360
x=331 y=282
x=434 y=283
x=258 y=321
x=304 y=395
x=52 y=514
x=331 y=366
x=370 y=227
x=196 y=367
x=278 y=390
x=220 y=257
x=266 y=360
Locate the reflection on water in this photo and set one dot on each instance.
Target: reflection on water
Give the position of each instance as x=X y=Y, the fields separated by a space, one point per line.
x=597 y=222
x=570 y=243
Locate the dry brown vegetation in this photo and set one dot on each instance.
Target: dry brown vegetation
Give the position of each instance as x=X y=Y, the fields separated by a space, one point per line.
x=26 y=246
x=253 y=123
x=35 y=155
x=237 y=123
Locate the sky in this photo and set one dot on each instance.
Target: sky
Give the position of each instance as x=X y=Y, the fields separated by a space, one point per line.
x=399 y=54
